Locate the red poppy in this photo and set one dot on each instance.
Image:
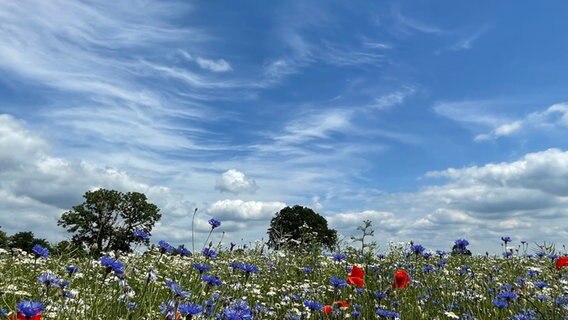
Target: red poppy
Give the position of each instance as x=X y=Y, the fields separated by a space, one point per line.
x=21 y=316
x=327 y=309
x=401 y=279
x=356 y=276
x=341 y=303
x=561 y=262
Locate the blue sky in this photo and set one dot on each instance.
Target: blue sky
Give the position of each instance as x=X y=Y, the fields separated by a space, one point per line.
x=437 y=120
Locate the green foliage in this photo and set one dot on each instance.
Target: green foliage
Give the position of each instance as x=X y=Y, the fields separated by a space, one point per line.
x=300 y=227
x=3 y=239
x=107 y=219
x=25 y=240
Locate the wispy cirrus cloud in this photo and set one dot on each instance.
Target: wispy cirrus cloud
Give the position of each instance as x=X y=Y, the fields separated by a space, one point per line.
x=553 y=117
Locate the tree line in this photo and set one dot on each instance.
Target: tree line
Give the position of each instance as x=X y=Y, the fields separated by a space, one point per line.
x=109 y=220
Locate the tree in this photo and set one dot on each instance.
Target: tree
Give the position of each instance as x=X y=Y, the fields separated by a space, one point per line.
x=299 y=226
x=3 y=239
x=26 y=240
x=107 y=219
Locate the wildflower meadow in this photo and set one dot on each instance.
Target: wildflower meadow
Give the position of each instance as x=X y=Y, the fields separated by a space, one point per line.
x=407 y=281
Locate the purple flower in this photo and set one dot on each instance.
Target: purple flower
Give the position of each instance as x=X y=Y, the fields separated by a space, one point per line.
x=141 y=235
x=214 y=223
x=30 y=308
x=40 y=251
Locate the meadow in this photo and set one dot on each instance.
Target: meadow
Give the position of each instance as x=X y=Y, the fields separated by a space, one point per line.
x=407 y=281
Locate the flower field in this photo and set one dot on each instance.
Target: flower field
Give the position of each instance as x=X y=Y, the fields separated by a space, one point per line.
x=407 y=282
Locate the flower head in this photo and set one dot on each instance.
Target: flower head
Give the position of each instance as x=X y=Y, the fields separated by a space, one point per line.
x=214 y=223
x=40 y=252
x=112 y=264
x=190 y=309
x=48 y=279
x=337 y=282
x=141 y=235
x=561 y=262
x=209 y=253
x=30 y=310
x=417 y=248
x=401 y=279
x=165 y=247
x=177 y=290
x=356 y=277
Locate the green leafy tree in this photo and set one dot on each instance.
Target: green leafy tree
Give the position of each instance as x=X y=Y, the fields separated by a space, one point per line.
x=3 y=239
x=26 y=240
x=300 y=227
x=107 y=219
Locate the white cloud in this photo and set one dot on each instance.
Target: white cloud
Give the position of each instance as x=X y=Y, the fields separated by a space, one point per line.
x=219 y=65
x=235 y=182
x=239 y=210
x=554 y=117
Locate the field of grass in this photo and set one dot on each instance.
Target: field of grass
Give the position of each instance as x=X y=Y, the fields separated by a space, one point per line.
x=252 y=283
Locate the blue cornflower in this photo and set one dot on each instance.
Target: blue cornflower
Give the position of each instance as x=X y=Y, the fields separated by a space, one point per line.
x=338 y=257
x=441 y=263
x=202 y=267
x=131 y=305
x=417 y=248
x=190 y=309
x=308 y=270
x=313 y=305
x=71 y=270
x=525 y=314
x=461 y=243
x=380 y=256
x=183 y=251
x=542 y=297
x=68 y=294
x=141 y=235
x=387 y=313
x=214 y=223
x=4 y=312
x=507 y=295
x=540 y=284
x=211 y=280
x=30 y=308
x=165 y=247
x=40 y=251
x=507 y=254
x=380 y=295
x=209 y=253
x=540 y=254
x=441 y=253
x=427 y=268
x=249 y=268
x=506 y=239
x=426 y=255
x=337 y=282
x=177 y=290
x=532 y=273
x=500 y=304
x=112 y=264
x=48 y=279
x=168 y=309
x=562 y=301
x=238 y=311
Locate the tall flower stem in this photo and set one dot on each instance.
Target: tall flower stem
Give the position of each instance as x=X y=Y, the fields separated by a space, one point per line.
x=192 y=230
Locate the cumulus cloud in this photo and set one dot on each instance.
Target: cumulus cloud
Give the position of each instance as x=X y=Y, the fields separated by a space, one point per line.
x=239 y=210
x=236 y=182
x=38 y=186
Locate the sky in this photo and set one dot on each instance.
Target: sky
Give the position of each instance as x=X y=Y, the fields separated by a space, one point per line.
x=436 y=120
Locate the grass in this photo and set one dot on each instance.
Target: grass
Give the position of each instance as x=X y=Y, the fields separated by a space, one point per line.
x=442 y=286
